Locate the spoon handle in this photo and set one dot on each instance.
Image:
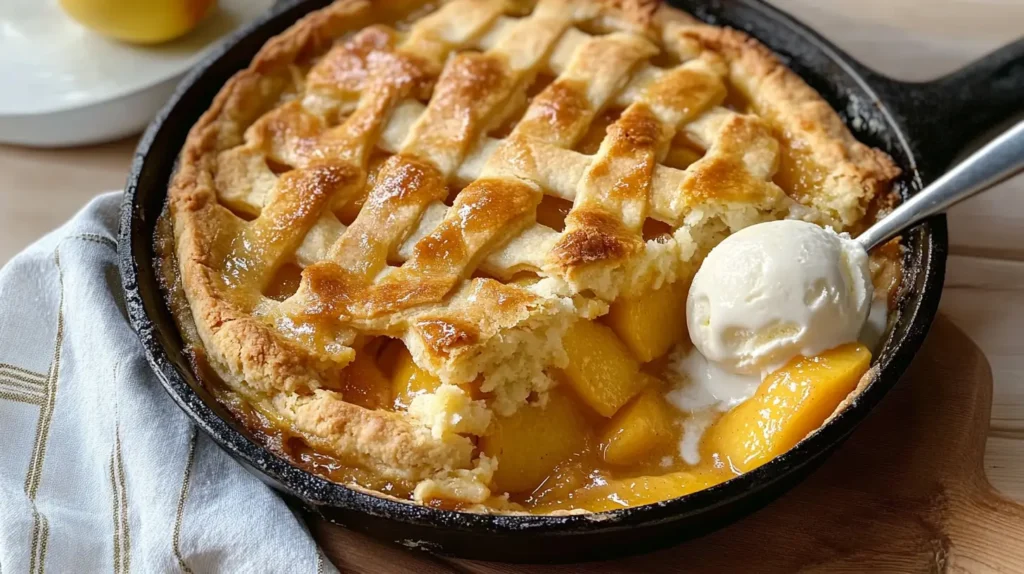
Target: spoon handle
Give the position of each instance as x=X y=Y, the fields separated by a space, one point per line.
x=997 y=161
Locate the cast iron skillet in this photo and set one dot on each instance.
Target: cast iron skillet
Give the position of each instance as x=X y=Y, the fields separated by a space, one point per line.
x=921 y=125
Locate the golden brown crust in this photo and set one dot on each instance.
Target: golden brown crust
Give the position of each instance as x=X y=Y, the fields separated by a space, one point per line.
x=387 y=443
x=296 y=140
x=811 y=134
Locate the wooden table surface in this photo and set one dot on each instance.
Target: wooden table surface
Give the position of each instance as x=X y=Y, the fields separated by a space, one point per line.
x=907 y=39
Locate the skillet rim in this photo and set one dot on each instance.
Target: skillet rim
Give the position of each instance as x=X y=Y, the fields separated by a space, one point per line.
x=320 y=493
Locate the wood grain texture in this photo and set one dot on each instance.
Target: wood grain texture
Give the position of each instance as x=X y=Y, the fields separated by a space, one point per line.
x=41 y=189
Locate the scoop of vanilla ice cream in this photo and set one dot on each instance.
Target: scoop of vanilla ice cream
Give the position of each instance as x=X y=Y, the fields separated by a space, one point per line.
x=776 y=290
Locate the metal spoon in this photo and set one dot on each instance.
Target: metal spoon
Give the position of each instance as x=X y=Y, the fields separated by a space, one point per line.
x=997 y=161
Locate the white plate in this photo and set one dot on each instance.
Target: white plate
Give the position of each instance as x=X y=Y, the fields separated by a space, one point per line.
x=61 y=84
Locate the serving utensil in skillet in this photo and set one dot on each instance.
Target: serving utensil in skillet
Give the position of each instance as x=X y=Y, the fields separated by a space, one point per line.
x=997 y=161
x=902 y=119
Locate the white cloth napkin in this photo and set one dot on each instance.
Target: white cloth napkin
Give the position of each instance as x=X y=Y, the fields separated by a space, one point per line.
x=99 y=470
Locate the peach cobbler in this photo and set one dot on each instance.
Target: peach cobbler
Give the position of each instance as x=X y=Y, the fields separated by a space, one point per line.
x=442 y=251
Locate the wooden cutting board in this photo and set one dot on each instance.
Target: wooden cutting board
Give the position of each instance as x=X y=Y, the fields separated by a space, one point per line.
x=906 y=493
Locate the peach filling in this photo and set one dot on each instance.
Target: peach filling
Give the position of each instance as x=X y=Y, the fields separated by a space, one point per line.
x=605 y=437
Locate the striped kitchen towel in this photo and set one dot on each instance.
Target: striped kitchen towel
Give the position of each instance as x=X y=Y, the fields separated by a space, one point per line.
x=99 y=470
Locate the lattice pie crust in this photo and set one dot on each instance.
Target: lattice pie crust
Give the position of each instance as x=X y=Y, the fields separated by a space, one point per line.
x=436 y=132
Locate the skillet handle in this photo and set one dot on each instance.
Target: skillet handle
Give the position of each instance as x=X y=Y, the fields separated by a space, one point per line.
x=943 y=116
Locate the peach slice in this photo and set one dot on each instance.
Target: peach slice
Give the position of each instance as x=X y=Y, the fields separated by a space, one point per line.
x=407 y=378
x=790 y=404
x=601 y=369
x=652 y=323
x=532 y=442
x=640 y=429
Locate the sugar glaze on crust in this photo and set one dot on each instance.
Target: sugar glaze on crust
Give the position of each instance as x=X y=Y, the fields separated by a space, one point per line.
x=415 y=125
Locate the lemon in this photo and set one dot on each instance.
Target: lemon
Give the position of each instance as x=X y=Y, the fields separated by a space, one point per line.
x=139 y=22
